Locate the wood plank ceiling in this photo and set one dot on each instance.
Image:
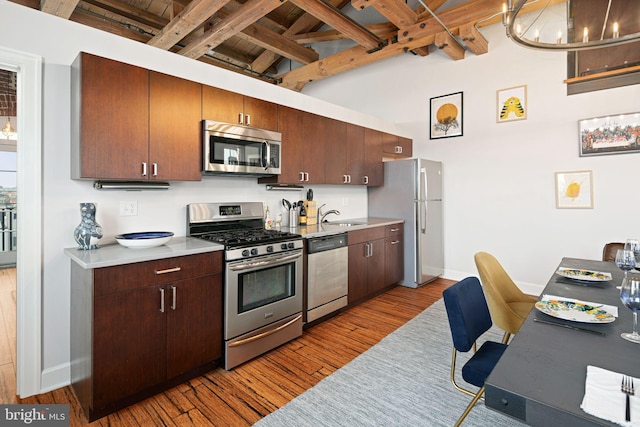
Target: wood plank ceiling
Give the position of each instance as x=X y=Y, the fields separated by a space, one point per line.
x=253 y=37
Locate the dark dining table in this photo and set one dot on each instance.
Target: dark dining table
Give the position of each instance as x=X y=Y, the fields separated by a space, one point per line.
x=540 y=378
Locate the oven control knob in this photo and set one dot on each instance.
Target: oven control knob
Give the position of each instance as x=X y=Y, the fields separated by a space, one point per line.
x=269 y=248
x=283 y=246
x=254 y=251
x=245 y=252
x=291 y=245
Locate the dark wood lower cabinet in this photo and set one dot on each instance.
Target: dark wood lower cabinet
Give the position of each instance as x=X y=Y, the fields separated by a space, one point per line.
x=394 y=253
x=366 y=264
x=140 y=328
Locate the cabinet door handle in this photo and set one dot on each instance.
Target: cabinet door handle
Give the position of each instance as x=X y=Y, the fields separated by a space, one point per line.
x=247 y=122
x=365 y=179
x=173 y=297
x=301 y=176
x=240 y=118
x=144 y=168
x=344 y=179
x=155 y=169
x=348 y=179
x=161 y=300
x=306 y=174
x=368 y=250
x=398 y=149
x=168 y=270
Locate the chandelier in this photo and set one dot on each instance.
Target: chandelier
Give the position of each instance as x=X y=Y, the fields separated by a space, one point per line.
x=547 y=29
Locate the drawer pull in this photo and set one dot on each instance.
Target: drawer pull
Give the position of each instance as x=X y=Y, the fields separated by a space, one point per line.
x=393 y=230
x=395 y=242
x=168 y=270
x=265 y=334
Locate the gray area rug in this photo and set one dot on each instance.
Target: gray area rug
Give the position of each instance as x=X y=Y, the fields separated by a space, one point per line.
x=401 y=381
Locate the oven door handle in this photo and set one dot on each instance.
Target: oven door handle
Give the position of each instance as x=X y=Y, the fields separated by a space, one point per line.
x=273 y=261
x=265 y=334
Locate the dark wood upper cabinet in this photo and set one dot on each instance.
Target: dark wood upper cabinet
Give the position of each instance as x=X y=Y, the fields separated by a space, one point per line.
x=109 y=119
x=373 y=166
x=304 y=137
x=396 y=146
x=129 y=123
x=345 y=155
x=175 y=143
x=230 y=107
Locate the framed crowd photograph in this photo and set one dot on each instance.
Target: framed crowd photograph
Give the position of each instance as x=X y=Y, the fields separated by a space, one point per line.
x=446 y=117
x=574 y=190
x=511 y=104
x=610 y=134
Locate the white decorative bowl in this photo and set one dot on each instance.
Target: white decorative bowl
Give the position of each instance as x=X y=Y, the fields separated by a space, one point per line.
x=147 y=239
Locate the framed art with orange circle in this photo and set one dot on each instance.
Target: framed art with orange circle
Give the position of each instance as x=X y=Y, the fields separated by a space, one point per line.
x=446 y=119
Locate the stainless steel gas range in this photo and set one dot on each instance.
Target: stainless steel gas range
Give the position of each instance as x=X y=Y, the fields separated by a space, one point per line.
x=262 y=277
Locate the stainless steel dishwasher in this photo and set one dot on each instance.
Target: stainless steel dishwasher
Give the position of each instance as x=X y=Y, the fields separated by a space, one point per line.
x=327 y=275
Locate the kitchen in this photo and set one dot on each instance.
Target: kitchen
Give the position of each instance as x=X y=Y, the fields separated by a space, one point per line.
x=469 y=161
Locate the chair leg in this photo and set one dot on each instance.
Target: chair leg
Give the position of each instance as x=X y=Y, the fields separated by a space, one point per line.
x=453 y=376
x=505 y=338
x=470 y=406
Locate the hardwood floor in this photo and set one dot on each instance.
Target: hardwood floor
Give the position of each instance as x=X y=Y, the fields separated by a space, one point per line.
x=255 y=389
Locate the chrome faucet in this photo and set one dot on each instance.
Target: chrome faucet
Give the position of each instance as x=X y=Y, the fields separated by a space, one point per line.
x=324 y=215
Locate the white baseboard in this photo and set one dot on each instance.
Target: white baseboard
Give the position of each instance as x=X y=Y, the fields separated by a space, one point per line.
x=528 y=288
x=55 y=378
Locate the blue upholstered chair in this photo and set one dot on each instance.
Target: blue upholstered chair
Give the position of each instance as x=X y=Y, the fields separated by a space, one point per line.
x=469 y=318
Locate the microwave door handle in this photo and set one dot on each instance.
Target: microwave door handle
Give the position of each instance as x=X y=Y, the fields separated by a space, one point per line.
x=267 y=158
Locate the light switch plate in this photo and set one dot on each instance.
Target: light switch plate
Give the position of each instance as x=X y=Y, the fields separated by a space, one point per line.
x=129 y=208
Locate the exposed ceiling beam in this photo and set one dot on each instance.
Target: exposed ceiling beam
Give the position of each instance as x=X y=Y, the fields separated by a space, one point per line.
x=381 y=30
x=397 y=12
x=191 y=17
x=61 y=8
x=423 y=34
x=278 y=44
x=337 y=20
x=120 y=8
x=267 y=39
x=449 y=45
x=474 y=39
x=238 y=20
x=306 y=22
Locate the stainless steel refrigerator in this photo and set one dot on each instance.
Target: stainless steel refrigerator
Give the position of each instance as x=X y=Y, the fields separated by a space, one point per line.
x=413 y=191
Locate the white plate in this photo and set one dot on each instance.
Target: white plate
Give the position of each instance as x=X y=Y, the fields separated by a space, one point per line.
x=148 y=239
x=584 y=275
x=575 y=311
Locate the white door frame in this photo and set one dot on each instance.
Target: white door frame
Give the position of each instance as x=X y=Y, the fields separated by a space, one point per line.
x=29 y=256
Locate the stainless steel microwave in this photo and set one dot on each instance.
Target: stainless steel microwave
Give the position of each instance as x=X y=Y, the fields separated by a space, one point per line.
x=240 y=150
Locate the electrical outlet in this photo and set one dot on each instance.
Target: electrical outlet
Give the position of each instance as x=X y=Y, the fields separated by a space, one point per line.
x=345 y=201
x=129 y=208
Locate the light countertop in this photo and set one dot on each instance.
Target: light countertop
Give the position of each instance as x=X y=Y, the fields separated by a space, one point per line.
x=115 y=254
x=334 y=227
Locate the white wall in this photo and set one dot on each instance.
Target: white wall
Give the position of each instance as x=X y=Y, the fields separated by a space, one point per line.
x=59 y=41
x=499 y=178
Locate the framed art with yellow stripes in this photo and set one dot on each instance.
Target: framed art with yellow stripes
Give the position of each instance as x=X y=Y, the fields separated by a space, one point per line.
x=511 y=104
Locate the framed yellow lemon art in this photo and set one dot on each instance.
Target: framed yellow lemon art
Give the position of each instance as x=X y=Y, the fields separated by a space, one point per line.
x=574 y=190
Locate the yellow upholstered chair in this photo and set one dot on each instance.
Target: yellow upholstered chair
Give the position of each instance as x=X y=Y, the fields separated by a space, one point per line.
x=508 y=305
x=609 y=251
